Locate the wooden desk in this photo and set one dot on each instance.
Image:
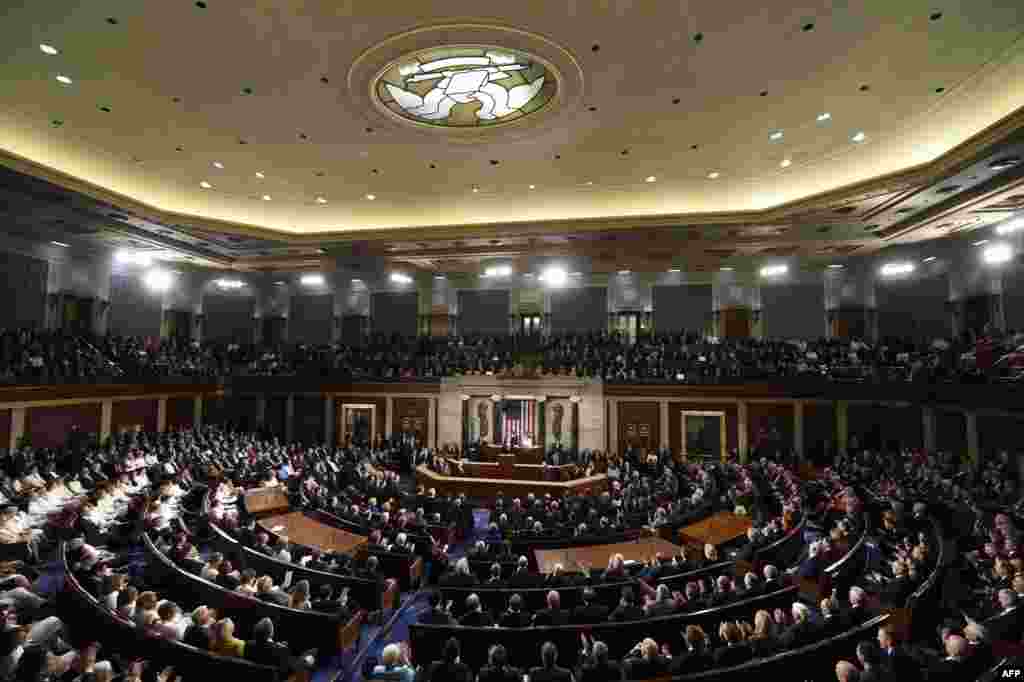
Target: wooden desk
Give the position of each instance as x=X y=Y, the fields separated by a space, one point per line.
x=488 y=488
x=306 y=531
x=716 y=529
x=266 y=499
x=596 y=556
x=507 y=468
x=534 y=455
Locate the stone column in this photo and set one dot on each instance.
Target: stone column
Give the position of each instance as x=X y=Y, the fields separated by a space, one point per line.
x=389 y=415
x=431 y=425
x=289 y=418
x=197 y=412
x=106 y=415
x=161 y=415
x=798 y=430
x=842 y=426
x=928 y=428
x=613 y=425
x=17 y=426
x=742 y=431
x=973 y=451
x=663 y=419
x=329 y=421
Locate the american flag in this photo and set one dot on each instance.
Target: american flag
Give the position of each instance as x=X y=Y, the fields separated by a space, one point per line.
x=521 y=428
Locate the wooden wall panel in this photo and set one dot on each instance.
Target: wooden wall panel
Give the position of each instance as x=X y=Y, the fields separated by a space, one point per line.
x=770 y=428
x=5 y=429
x=127 y=415
x=50 y=427
x=639 y=425
x=879 y=426
x=411 y=416
x=180 y=413
x=675 y=424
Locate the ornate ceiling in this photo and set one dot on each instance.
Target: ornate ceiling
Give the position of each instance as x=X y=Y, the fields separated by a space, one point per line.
x=688 y=134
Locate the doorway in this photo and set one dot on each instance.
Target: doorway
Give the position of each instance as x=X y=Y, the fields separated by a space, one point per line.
x=357 y=423
x=703 y=434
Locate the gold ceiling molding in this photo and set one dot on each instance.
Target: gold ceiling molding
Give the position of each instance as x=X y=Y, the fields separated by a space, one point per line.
x=791 y=212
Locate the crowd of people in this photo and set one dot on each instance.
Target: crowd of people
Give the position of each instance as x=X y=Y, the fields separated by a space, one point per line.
x=57 y=356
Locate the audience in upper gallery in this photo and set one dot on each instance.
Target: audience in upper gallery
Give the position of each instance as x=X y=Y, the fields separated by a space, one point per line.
x=58 y=356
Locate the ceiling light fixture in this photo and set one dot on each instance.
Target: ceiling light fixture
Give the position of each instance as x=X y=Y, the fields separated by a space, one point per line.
x=279 y=283
x=205 y=185
x=651 y=178
x=48 y=49
x=313 y=279
x=929 y=259
x=859 y=136
x=498 y=271
x=588 y=183
x=824 y=116
x=218 y=164
x=63 y=79
x=896 y=269
x=713 y=175
x=62 y=244
x=997 y=254
x=980 y=242
x=356 y=280
x=554 y=276
x=777 y=135
x=440 y=277
x=674 y=270
x=157 y=280
x=1010 y=226
x=835 y=266
x=476 y=189
x=229 y=283
x=786 y=163
x=266 y=197
x=400 y=278
x=725 y=268
x=533 y=186
x=133 y=258
x=260 y=175
x=371 y=197
x=774 y=270
x=321 y=200
x=624 y=272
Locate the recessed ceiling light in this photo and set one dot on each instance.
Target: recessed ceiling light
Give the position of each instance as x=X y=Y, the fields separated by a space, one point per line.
x=859 y=136
x=588 y=183
x=205 y=185
x=624 y=272
x=48 y=49
x=218 y=164
x=714 y=175
x=674 y=270
x=980 y=242
x=651 y=178
x=266 y=197
x=371 y=197
x=725 y=268
x=533 y=186
x=356 y=280
x=475 y=190
x=60 y=243
x=777 y=135
x=786 y=163
x=439 y=277
x=279 y=283
x=929 y=259
x=63 y=79
x=835 y=266
x=824 y=117
x=321 y=200
x=260 y=175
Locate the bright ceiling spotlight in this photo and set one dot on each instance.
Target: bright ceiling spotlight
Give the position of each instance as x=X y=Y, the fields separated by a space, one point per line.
x=321 y=200
x=624 y=272
x=400 y=278
x=651 y=178
x=554 y=276
x=63 y=79
x=218 y=164
x=859 y=137
x=774 y=270
x=62 y=244
x=371 y=197
x=929 y=259
x=996 y=254
x=205 y=185
x=777 y=135
x=260 y=175
x=49 y=49
x=229 y=284
x=313 y=279
x=157 y=280
x=714 y=175
x=836 y=266
x=266 y=197
x=675 y=270
x=786 y=163
x=133 y=258
x=1011 y=225
x=897 y=269
x=498 y=271
x=822 y=117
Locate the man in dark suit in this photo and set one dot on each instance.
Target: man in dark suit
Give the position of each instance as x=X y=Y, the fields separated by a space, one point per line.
x=263 y=650
x=954 y=666
x=870 y=657
x=198 y=633
x=627 y=608
x=549 y=671
x=588 y=612
x=436 y=614
x=450 y=668
x=497 y=668
x=475 y=615
x=523 y=577
x=597 y=668
x=894 y=658
x=515 y=617
x=645 y=662
x=554 y=614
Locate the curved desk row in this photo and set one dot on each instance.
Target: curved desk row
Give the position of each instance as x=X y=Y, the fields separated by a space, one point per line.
x=487 y=488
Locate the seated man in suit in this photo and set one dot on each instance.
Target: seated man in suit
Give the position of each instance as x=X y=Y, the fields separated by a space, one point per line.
x=198 y=633
x=549 y=671
x=589 y=612
x=515 y=617
x=262 y=648
x=955 y=665
x=554 y=614
x=802 y=631
x=857 y=612
x=450 y=668
x=735 y=651
x=627 y=608
x=475 y=615
x=644 y=661
x=523 y=577
x=595 y=666
x=497 y=668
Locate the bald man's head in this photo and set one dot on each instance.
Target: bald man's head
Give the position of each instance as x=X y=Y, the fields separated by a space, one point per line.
x=846 y=672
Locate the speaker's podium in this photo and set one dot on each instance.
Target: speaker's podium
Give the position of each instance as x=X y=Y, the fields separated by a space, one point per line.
x=496 y=453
